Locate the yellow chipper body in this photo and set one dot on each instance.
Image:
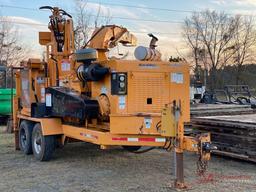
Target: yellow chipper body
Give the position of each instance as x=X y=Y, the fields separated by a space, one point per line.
x=84 y=95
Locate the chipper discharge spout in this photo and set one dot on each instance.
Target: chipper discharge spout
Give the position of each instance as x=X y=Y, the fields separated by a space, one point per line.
x=85 y=95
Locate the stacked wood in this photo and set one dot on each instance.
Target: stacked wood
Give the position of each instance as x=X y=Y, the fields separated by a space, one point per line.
x=234 y=135
x=200 y=110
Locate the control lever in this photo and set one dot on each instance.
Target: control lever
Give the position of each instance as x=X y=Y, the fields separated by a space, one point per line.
x=60 y=10
x=46 y=7
x=65 y=13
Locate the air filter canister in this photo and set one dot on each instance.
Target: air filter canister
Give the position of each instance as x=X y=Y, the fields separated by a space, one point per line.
x=147 y=54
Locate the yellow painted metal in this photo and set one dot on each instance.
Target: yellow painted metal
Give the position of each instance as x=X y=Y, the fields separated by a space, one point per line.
x=108 y=36
x=145 y=85
x=34 y=63
x=191 y=143
x=168 y=122
x=204 y=138
x=100 y=137
x=147 y=80
x=152 y=113
x=141 y=124
x=44 y=38
x=154 y=81
x=155 y=107
x=16 y=100
x=162 y=83
x=50 y=126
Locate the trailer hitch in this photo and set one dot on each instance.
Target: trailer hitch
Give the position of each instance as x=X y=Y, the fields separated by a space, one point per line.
x=208 y=147
x=205 y=147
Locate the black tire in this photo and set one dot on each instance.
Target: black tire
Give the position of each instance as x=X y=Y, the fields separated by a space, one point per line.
x=131 y=148
x=43 y=146
x=25 y=135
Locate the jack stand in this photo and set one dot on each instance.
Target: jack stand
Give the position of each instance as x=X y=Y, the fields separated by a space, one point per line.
x=179 y=171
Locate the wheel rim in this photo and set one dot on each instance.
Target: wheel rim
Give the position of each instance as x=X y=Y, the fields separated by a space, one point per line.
x=23 y=138
x=37 y=142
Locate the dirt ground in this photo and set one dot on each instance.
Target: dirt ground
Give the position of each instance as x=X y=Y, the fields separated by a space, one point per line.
x=82 y=167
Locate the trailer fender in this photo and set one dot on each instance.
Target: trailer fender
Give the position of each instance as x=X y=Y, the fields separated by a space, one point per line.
x=50 y=126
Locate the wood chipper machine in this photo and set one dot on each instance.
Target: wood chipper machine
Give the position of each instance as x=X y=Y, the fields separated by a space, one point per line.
x=84 y=95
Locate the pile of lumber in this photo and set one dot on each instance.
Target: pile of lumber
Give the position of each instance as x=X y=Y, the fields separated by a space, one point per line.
x=200 y=110
x=234 y=135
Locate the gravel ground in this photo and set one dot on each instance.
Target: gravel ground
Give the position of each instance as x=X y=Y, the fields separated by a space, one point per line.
x=82 y=167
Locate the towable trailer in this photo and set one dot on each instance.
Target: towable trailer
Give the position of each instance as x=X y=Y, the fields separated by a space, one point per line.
x=83 y=95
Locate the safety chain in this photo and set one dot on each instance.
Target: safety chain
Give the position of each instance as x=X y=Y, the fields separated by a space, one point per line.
x=201 y=164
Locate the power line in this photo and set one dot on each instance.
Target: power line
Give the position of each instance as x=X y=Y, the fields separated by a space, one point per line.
x=18 y=7
x=130 y=6
x=44 y=25
x=146 y=20
x=23 y=23
x=124 y=18
x=160 y=33
x=156 y=8
x=142 y=7
x=160 y=9
x=102 y=16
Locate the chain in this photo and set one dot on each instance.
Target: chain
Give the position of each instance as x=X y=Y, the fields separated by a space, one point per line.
x=201 y=164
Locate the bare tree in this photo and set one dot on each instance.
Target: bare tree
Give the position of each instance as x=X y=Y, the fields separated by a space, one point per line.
x=11 y=49
x=209 y=34
x=86 y=22
x=102 y=19
x=243 y=43
x=191 y=36
x=82 y=24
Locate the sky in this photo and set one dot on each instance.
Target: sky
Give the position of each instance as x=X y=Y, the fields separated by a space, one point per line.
x=163 y=18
